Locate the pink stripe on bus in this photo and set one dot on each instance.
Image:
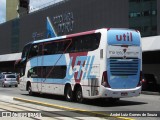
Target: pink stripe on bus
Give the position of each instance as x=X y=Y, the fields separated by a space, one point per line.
x=81 y=33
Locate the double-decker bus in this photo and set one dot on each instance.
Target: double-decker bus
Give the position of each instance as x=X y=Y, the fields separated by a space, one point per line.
x=103 y=63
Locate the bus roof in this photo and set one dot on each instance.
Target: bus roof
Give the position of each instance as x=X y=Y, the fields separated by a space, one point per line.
x=78 y=34
x=65 y=36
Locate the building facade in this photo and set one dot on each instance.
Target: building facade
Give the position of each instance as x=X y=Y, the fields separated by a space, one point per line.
x=72 y=16
x=11 y=9
x=143 y=16
x=23 y=7
x=67 y=16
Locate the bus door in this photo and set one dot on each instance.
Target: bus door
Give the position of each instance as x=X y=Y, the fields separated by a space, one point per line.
x=40 y=78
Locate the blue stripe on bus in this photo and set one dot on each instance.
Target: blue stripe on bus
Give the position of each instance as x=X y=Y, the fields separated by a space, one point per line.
x=49 y=80
x=48 y=60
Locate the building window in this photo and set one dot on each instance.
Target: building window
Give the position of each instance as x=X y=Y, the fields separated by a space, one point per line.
x=15 y=36
x=143 y=13
x=154 y=12
x=135 y=0
x=154 y=28
x=135 y=14
x=143 y=16
x=146 y=13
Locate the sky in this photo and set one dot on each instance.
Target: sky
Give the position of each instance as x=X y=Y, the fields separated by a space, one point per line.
x=34 y=5
x=37 y=4
x=2 y=11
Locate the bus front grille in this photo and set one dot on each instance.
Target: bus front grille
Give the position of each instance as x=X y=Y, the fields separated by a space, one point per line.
x=123 y=66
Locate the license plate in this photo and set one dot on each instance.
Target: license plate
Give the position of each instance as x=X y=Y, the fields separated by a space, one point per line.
x=124 y=94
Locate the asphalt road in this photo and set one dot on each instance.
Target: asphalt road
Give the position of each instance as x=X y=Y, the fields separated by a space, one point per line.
x=13 y=109
x=148 y=103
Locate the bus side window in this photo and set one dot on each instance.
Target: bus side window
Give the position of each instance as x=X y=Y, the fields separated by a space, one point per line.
x=39 y=50
x=48 y=49
x=65 y=46
x=45 y=51
x=22 y=71
x=25 y=52
x=72 y=48
x=59 y=47
x=78 y=45
x=86 y=43
x=33 y=51
x=32 y=73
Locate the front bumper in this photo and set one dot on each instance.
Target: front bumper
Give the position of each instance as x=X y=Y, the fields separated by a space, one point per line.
x=10 y=83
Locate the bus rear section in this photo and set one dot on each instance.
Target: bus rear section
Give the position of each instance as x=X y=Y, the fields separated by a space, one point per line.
x=123 y=64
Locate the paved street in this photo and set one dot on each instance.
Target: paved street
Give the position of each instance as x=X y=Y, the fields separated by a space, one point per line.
x=148 y=103
x=11 y=109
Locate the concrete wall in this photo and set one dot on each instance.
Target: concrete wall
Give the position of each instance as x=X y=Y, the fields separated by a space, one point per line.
x=5 y=38
x=69 y=16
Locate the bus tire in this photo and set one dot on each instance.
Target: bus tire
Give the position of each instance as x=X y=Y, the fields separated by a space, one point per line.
x=79 y=95
x=68 y=94
x=3 y=85
x=30 y=90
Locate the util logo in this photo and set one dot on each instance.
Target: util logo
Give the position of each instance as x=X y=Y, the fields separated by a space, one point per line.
x=125 y=37
x=80 y=68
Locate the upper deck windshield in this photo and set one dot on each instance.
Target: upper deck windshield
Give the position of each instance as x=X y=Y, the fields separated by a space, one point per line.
x=25 y=51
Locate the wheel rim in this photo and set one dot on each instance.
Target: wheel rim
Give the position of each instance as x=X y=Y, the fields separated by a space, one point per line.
x=69 y=94
x=79 y=96
x=3 y=85
x=29 y=90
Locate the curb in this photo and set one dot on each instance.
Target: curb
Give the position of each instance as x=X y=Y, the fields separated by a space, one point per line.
x=150 y=93
x=86 y=112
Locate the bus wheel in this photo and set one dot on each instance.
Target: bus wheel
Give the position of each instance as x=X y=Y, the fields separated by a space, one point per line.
x=30 y=90
x=3 y=85
x=68 y=94
x=79 y=96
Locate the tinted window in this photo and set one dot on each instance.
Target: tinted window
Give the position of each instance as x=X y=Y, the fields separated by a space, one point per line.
x=33 y=51
x=25 y=51
x=58 y=47
x=83 y=43
x=151 y=57
x=10 y=76
x=57 y=72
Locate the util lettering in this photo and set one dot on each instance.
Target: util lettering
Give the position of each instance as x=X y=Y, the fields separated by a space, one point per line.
x=124 y=37
x=82 y=66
